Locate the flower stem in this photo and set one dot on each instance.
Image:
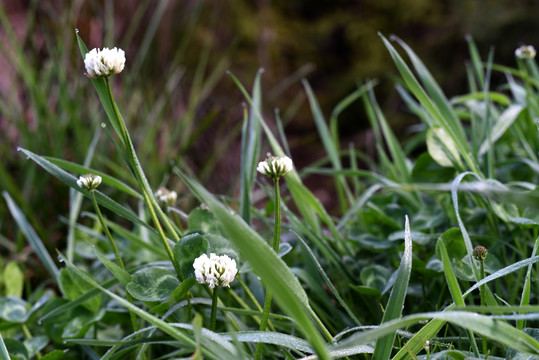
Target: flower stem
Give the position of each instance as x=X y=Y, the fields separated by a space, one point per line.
x=107 y=232
x=143 y=182
x=214 y=301
x=275 y=245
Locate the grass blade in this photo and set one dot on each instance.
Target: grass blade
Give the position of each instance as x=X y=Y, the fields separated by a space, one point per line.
x=382 y=350
x=265 y=262
x=71 y=181
x=250 y=150
x=31 y=236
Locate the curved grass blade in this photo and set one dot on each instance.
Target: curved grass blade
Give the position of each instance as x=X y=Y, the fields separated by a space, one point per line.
x=498 y=330
x=107 y=179
x=4 y=355
x=454 y=288
x=250 y=149
x=328 y=281
x=395 y=304
x=70 y=180
x=276 y=275
x=31 y=236
x=525 y=297
x=330 y=144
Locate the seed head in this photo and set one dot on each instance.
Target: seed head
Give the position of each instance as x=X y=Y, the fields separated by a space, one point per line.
x=480 y=253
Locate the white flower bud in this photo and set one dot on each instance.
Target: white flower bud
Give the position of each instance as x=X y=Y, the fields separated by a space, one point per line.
x=275 y=166
x=89 y=181
x=215 y=270
x=104 y=62
x=525 y=52
x=166 y=196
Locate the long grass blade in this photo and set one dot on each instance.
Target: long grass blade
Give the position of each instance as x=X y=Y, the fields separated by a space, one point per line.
x=33 y=239
x=395 y=304
x=265 y=262
x=250 y=145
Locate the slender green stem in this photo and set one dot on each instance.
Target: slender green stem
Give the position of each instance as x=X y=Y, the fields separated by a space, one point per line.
x=277 y=226
x=137 y=170
x=214 y=301
x=275 y=245
x=159 y=229
x=116 y=253
x=107 y=232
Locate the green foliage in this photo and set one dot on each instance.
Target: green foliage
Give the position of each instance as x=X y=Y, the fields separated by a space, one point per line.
x=385 y=271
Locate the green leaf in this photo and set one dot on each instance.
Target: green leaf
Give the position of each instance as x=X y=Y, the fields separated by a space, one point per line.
x=54 y=355
x=277 y=277
x=187 y=250
x=375 y=276
x=395 y=304
x=74 y=322
x=73 y=287
x=513 y=354
x=13 y=309
x=504 y=122
x=16 y=349
x=120 y=274
x=202 y=220
x=153 y=284
x=442 y=148
x=13 y=279
x=4 y=354
x=180 y=293
x=454 y=244
x=35 y=344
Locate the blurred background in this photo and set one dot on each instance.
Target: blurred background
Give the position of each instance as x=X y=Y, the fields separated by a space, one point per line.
x=181 y=105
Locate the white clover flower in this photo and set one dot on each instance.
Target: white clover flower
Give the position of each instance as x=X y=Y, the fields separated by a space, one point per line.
x=89 y=181
x=104 y=62
x=215 y=270
x=166 y=196
x=525 y=52
x=275 y=166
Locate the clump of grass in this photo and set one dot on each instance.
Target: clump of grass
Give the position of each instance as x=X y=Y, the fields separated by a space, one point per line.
x=392 y=275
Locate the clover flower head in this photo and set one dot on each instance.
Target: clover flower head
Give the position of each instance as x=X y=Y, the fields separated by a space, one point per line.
x=166 y=196
x=275 y=166
x=89 y=181
x=480 y=253
x=525 y=52
x=104 y=62
x=215 y=270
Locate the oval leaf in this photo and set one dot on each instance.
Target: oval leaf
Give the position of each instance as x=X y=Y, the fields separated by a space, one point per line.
x=153 y=284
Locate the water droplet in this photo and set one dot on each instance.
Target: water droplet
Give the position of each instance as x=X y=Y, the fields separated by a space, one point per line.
x=65 y=342
x=76 y=31
x=93 y=245
x=39 y=322
x=103 y=125
x=19 y=148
